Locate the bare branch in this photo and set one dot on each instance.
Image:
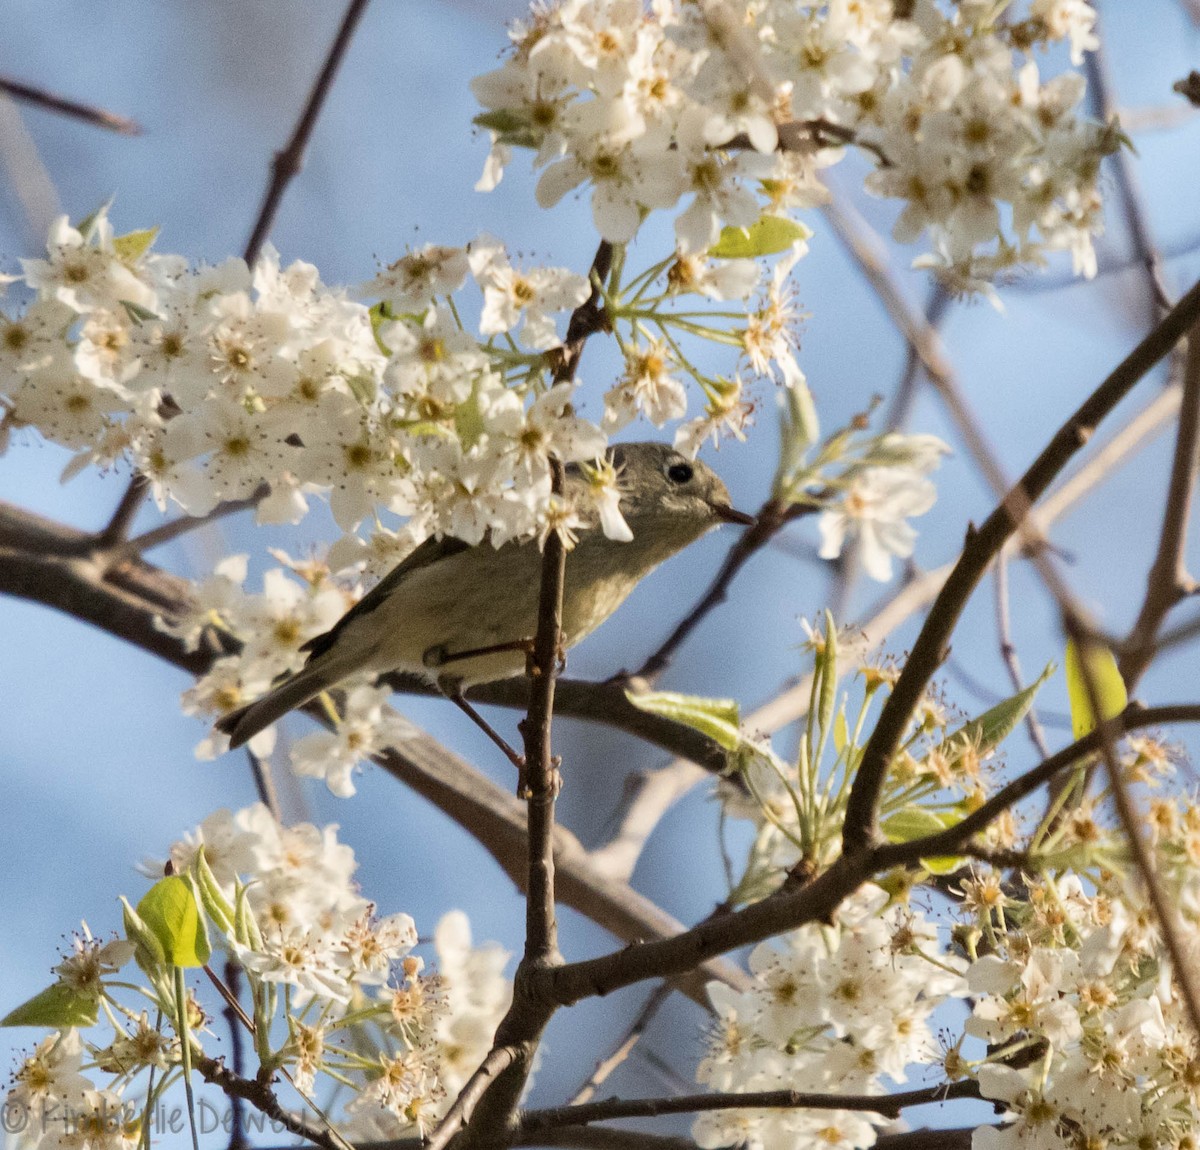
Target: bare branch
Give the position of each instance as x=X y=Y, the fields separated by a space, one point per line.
x=1100 y=92
x=624 y=1048
x=52 y=102
x=1169 y=582
x=288 y=162
x=887 y=1105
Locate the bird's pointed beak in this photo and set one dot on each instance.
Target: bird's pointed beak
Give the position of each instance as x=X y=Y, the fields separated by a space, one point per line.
x=732 y=514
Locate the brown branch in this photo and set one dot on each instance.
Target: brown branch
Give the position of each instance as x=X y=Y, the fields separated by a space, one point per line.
x=497 y=1063
x=1008 y=653
x=288 y=162
x=888 y=1105
x=541 y=778
x=980 y=549
x=1109 y=731
x=624 y=1048
x=1103 y=100
x=1169 y=582
x=52 y=102
x=260 y=1095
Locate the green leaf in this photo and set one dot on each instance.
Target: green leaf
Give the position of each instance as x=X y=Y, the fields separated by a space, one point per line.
x=841 y=731
x=171 y=912
x=137 y=313
x=717 y=718
x=87 y=225
x=829 y=677
x=990 y=729
x=910 y=823
x=57 y=1007
x=510 y=127
x=767 y=236
x=944 y=864
x=130 y=247
x=1107 y=681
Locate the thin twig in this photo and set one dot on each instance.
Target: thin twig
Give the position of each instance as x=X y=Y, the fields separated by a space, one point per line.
x=1168 y=922
x=541 y=778
x=1100 y=92
x=117 y=529
x=950 y=841
x=167 y=532
x=888 y=1105
x=237 y=1048
x=1008 y=652
x=624 y=1048
x=51 y=101
x=288 y=162
x=1169 y=582
x=863 y=243
x=264 y=784
x=903 y=397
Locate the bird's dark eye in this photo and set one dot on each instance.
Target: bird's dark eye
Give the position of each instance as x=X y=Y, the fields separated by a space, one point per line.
x=680 y=472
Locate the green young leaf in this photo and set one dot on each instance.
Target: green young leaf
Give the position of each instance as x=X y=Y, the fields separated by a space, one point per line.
x=57 y=1007
x=87 y=225
x=911 y=823
x=1106 y=678
x=829 y=677
x=511 y=127
x=943 y=864
x=171 y=912
x=767 y=236
x=717 y=718
x=990 y=729
x=147 y=950
x=799 y=429
x=130 y=247
x=212 y=898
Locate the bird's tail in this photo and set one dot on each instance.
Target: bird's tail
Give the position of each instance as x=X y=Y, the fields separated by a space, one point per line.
x=244 y=723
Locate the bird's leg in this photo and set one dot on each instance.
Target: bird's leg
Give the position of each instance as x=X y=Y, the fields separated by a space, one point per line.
x=452 y=689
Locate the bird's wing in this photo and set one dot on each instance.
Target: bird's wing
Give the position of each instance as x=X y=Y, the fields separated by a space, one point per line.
x=430 y=552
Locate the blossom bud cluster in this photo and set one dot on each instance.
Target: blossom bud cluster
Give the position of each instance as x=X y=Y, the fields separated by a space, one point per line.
x=736 y=106
x=352 y=1001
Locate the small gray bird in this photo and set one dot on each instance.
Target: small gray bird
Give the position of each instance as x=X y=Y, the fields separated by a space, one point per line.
x=458 y=614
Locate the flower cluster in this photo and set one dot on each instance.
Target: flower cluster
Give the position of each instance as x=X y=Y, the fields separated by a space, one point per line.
x=298 y=601
x=736 y=107
x=231 y=383
x=838 y=1009
x=334 y=990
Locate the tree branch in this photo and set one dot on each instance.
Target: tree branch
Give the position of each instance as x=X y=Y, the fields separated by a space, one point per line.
x=888 y=1105
x=288 y=162
x=981 y=547
x=52 y=102
x=1169 y=582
